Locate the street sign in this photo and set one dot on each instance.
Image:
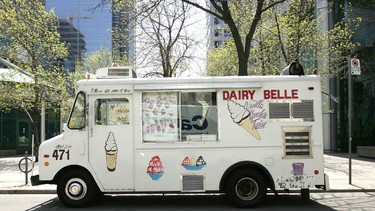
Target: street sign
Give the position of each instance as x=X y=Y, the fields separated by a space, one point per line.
x=355 y=67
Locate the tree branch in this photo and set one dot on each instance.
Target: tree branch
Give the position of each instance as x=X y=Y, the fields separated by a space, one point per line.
x=204 y=9
x=273 y=4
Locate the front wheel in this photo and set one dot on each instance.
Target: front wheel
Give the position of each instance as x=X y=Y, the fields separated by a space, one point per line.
x=77 y=189
x=245 y=188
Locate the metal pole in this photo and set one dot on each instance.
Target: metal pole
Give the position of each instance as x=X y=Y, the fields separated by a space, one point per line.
x=43 y=120
x=26 y=168
x=350 y=96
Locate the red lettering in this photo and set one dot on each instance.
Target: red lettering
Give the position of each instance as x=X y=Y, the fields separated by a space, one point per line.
x=274 y=94
x=225 y=95
x=280 y=94
x=295 y=93
x=245 y=95
x=252 y=93
x=238 y=95
x=266 y=94
x=233 y=95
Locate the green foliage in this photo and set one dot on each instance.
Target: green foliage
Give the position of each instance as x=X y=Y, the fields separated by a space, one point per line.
x=97 y=59
x=32 y=42
x=341 y=45
x=223 y=60
x=286 y=34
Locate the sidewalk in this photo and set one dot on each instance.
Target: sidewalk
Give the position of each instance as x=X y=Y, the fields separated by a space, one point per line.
x=12 y=180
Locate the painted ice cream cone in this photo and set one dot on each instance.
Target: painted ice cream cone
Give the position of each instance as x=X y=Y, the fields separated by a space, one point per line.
x=111 y=152
x=241 y=116
x=248 y=125
x=111 y=157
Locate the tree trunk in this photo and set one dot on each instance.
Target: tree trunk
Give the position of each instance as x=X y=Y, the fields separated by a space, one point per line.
x=242 y=64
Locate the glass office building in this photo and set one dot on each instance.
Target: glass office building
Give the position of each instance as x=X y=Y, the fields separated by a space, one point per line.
x=363 y=112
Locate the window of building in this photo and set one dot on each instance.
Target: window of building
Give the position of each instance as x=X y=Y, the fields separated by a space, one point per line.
x=216 y=21
x=112 y=111
x=217 y=32
x=179 y=117
x=218 y=43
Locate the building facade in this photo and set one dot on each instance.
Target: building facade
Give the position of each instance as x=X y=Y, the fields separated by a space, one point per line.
x=217 y=32
x=363 y=111
x=76 y=43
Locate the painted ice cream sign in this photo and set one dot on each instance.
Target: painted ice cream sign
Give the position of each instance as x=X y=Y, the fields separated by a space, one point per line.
x=155 y=168
x=250 y=113
x=111 y=152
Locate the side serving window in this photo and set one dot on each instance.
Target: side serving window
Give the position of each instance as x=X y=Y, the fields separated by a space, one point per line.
x=199 y=116
x=179 y=116
x=113 y=111
x=77 y=119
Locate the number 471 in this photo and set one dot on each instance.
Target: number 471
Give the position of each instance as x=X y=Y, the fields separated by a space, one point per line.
x=58 y=154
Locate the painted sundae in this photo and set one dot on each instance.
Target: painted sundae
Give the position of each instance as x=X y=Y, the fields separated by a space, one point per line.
x=155 y=168
x=193 y=164
x=111 y=152
x=241 y=116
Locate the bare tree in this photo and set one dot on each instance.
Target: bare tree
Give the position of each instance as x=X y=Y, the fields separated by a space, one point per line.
x=164 y=40
x=223 y=11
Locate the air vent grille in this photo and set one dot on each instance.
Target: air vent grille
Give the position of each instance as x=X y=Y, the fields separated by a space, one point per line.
x=118 y=72
x=193 y=183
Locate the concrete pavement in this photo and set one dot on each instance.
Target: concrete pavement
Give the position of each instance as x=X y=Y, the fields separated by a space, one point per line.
x=12 y=180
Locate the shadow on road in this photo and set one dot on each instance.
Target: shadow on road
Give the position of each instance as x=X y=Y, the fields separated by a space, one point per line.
x=175 y=202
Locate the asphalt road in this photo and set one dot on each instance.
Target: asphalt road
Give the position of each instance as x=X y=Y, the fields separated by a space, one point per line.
x=320 y=201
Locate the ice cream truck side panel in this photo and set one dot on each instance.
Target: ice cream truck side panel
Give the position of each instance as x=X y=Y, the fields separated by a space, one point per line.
x=232 y=135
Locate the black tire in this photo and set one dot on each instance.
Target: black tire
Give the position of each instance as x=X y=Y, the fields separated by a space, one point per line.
x=77 y=188
x=245 y=188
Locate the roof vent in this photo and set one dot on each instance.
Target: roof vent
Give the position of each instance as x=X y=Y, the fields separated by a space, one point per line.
x=115 y=72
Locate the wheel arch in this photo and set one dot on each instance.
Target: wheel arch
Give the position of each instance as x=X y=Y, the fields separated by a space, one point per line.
x=74 y=168
x=248 y=165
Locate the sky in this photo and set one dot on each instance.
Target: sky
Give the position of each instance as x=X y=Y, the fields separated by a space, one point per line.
x=95 y=26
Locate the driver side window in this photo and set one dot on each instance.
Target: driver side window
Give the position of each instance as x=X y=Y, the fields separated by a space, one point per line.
x=77 y=119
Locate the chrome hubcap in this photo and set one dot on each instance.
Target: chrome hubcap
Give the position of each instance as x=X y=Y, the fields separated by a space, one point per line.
x=76 y=189
x=247 y=188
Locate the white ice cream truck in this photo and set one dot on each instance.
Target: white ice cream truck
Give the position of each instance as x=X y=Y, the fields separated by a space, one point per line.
x=240 y=136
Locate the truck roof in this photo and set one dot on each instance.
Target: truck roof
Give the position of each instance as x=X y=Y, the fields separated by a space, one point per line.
x=197 y=82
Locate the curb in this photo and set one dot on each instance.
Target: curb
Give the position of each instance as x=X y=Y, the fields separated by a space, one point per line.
x=23 y=191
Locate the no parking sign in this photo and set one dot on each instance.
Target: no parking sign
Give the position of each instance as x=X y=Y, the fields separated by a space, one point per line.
x=355 y=67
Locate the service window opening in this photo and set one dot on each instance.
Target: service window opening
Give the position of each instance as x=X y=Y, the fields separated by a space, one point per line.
x=179 y=117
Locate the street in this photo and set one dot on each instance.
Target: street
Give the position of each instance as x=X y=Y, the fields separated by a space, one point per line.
x=320 y=201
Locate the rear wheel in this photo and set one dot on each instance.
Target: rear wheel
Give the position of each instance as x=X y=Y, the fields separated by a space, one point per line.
x=77 y=189
x=245 y=188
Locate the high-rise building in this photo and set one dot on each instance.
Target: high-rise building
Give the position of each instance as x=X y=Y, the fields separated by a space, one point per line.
x=218 y=32
x=76 y=43
x=88 y=26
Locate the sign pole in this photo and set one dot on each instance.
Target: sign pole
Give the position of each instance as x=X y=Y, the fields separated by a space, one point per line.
x=350 y=95
x=354 y=69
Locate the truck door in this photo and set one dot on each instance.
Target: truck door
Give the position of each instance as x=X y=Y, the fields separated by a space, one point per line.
x=111 y=141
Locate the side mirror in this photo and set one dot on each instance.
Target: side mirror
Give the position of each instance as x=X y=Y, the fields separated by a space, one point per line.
x=65 y=125
x=295 y=68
